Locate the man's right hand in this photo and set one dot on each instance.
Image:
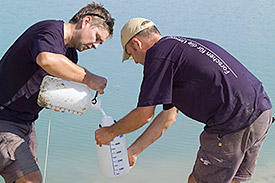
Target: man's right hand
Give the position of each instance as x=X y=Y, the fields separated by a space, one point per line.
x=95 y=82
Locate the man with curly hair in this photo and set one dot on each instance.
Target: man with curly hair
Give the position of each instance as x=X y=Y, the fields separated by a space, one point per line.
x=46 y=48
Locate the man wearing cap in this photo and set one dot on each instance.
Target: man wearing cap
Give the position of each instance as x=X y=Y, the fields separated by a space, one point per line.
x=46 y=48
x=207 y=84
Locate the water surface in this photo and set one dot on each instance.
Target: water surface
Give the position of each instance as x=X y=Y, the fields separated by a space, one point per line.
x=245 y=28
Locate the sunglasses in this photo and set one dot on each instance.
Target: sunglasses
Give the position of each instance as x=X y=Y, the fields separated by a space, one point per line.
x=108 y=21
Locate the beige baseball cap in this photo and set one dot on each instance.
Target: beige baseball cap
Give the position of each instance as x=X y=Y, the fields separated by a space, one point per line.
x=130 y=29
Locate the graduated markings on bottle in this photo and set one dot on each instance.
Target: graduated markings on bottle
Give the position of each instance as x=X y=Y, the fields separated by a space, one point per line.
x=116 y=160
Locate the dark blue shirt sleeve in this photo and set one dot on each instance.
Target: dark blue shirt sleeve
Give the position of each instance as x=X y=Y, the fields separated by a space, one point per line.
x=167 y=106
x=157 y=82
x=46 y=42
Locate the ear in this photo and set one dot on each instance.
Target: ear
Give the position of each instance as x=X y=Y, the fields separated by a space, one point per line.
x=86 y=20
x=138 y=42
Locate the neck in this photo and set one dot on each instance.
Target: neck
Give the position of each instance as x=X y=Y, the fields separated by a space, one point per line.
x=68 y=34
x=154 y=39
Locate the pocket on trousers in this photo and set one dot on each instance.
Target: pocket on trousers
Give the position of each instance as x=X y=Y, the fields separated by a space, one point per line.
x=6 y=154
x=210 y=168
x=208 y=159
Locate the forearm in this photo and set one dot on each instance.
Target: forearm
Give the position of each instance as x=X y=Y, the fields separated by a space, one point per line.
x=133 y=121
x=156 y=129
x=60 y=66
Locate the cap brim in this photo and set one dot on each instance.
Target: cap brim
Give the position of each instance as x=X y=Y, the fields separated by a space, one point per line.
x=126 y=56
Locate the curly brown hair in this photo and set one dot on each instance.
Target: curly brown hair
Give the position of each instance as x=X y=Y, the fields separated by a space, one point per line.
x=101 y=17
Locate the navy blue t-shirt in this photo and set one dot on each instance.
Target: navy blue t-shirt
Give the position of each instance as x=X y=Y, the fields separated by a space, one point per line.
x=20 y=76
x=204 y=82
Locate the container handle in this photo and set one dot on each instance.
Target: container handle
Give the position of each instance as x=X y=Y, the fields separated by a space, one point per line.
x=94 y=101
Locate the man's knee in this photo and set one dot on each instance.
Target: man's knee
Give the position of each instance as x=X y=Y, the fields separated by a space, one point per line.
x=33 y=177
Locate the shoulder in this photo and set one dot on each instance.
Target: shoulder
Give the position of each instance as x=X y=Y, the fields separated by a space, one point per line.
x=47 y=36
x=168 y=48
x=49 y=23
x=47 y=26
x=167 y=43
x=49 y=30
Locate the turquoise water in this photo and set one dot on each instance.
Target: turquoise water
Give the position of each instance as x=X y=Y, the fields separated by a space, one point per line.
x=245 y=28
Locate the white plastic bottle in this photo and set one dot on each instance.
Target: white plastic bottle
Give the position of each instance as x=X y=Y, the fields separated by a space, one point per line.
x=66 y=96
x=113 y=158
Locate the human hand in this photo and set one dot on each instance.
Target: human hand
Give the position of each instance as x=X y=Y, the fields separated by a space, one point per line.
x=132 y=158
x=95 y=82
x=99 y=84
x=103 y=136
